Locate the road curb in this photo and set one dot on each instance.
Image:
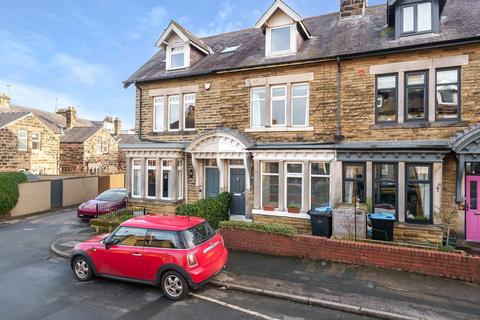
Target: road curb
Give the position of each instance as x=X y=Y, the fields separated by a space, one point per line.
x=60 y=253
x=314 y=302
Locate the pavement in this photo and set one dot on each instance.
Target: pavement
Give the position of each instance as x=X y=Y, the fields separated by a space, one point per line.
x=361 y=290
x=36 y=284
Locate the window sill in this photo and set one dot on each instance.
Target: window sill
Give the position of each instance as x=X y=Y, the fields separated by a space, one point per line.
x=409 y=125
x=281 y=214
x=279 y=129
x=174 y=133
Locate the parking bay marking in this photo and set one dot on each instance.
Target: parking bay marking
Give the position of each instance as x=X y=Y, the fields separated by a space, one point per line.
x=231 y=306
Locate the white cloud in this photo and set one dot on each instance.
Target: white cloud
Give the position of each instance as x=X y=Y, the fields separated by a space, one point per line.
x=226 y=19
x=79 y=71
x=157 y=16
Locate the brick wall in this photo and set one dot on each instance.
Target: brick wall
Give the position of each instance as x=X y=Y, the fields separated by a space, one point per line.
x=71 y=157
x=108 y=161
x=43 y=161
x=428 y=262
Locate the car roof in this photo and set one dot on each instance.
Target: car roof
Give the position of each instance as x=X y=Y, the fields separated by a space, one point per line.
x=163 y=222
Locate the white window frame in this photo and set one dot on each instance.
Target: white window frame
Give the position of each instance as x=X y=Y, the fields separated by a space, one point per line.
x=414 y=7
x=185 y=96
x=22 y=132
x=262 y=173
x=293 y=42
x=98 y=146
x=149 y=168
x=284 y=98
x=307 y=111
x=180 y=179
x=157 y=102
x=252 y=100
x=136 y=167
x=186 y=56
x=320 y=176
x=36 y=140
x=170 y=113
x=293 y=175
x=162 y=169
x=105 y=146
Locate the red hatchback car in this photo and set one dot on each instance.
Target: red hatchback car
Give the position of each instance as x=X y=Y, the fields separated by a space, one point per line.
x=175 y=252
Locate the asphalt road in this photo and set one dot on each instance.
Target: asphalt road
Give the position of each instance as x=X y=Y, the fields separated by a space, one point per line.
x=34 y=284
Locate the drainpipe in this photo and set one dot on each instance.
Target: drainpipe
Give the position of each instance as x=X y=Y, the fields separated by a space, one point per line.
x=139 y=112
x=338 y=135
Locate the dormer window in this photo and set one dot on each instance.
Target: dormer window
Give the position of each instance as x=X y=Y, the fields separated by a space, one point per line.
x=417 y=18
x=281 y=40
x=177 y=57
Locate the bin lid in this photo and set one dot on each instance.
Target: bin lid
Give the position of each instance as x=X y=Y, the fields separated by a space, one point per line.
x=381 y=216
x=320 y=211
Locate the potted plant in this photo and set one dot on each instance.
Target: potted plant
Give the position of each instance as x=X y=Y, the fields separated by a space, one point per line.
x=293 y=208
x=269 y=206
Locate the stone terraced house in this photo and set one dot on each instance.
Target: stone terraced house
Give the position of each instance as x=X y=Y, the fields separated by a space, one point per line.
x=375 y=103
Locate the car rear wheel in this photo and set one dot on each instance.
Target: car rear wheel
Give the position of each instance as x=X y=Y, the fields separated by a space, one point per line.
x=174 y=285
x=82 y=269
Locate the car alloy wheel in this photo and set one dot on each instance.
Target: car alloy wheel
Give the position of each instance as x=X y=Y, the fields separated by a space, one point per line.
x=82 y=269
x=174 y=286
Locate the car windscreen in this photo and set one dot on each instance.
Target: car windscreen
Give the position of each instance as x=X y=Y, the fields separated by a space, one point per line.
x=112 y=195
x=198 y=234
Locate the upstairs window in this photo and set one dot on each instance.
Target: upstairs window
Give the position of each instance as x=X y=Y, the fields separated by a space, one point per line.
x=257 y=107
x=447 y=94
x=189 y=110
x=22 y=140
x=177 y=57
x=386 y=103
x=299 y=104
x=417 y=18
x=36 y=141
x=278 y=105
x=104 y=146
x=158 y=113
x=173 y=113
x=416 y=95
x=280 y=40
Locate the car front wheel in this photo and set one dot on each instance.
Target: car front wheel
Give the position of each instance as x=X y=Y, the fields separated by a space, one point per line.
x=82 y=269
x=174 y=285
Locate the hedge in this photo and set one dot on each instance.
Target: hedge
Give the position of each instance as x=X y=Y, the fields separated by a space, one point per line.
x=108 y=222
x=214 y=210
x=9 y=190
x=273 y=228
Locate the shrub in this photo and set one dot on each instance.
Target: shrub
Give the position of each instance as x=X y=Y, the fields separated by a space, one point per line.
x=9 y=190
x=213 y=210
x=110 y=221
x=273 y=228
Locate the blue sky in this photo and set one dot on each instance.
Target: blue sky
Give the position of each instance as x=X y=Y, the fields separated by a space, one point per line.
x=81 y=51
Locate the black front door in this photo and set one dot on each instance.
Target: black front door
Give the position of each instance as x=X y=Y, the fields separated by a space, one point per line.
x=237 y=191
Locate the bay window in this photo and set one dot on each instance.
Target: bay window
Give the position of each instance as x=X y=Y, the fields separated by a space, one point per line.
x=167 y=179
x=300 y=104
x=278 y=105
x=158 y=114
x=22 y=140
x=257 y=109
x=447 y=94
x=294 y=186
x=189 y=111
x=386 y=98
x=173 y=113
x=354 y=182
x=385 y=187
x=416 y=95
x=319 y=184
x=270 y=179
x=418 y=193
x=151 y=179
x=136 y=178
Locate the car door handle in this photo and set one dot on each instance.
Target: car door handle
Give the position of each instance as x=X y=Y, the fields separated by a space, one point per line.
x=137 y=254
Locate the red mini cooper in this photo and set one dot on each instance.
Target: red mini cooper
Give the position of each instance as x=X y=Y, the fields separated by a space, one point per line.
x=175 y=252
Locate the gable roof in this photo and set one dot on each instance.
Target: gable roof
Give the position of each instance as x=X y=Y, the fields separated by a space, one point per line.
x=7 y=118
x=185 y=35
x=79 y=134
x=54 y=121
x=331 y=37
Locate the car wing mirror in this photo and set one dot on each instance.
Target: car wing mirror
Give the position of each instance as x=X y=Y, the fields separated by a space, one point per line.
x=108 y=242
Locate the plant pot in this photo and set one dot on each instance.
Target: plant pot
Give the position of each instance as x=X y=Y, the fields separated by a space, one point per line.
x=293 y=210
x=268 y=208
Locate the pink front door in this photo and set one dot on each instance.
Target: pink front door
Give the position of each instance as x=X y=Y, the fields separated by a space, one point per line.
x=473 y=208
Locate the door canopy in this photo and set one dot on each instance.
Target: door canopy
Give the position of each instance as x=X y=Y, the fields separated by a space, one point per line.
x=468 y=142
x=219 y=144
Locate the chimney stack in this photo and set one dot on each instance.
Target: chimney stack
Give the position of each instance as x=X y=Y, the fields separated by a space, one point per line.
x=4 y=100
x=117 y=126
x=70 y=115
x=352 y=8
